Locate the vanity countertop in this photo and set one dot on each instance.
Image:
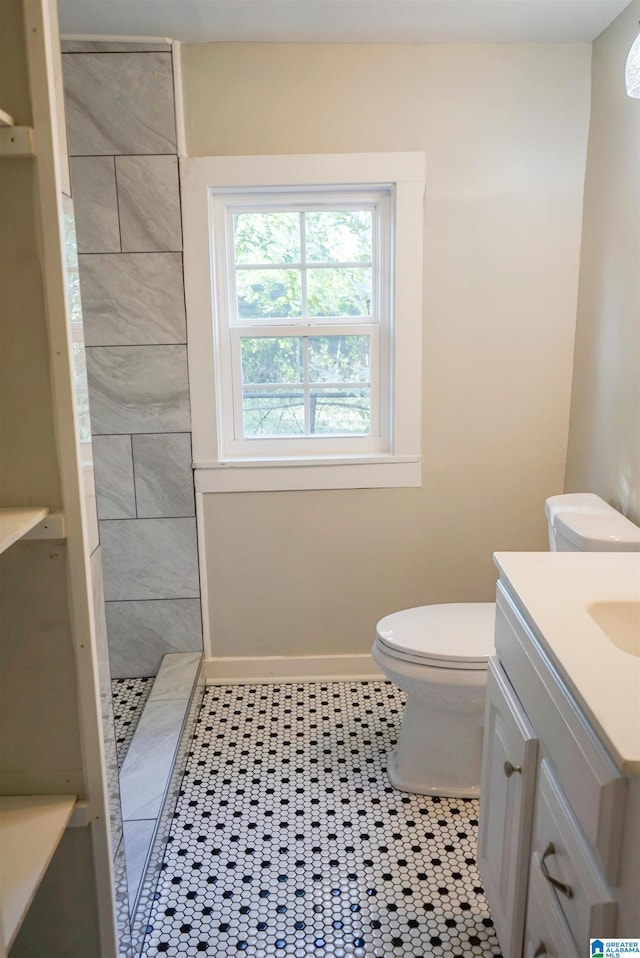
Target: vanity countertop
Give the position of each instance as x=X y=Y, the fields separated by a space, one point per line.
x=572 y=600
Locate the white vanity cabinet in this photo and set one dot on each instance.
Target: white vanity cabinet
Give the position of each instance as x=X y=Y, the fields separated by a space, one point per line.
x=557 y=822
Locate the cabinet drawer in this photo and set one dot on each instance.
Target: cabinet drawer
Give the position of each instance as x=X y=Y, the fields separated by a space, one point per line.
x=593 y=785
x=546 y=933
x=563 y=859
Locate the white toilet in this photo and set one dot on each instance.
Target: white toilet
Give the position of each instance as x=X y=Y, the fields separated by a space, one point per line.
x=438 y=655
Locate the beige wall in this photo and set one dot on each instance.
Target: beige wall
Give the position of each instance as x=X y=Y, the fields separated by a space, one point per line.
x=504 y=130
x=604 y=437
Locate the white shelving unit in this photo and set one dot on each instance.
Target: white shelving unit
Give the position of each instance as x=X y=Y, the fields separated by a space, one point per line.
x=56 y=878
x=15 y=523
x=31 y=827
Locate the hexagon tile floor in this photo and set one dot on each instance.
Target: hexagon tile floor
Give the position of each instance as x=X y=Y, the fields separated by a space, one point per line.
x=129 y=698
x=289 y=840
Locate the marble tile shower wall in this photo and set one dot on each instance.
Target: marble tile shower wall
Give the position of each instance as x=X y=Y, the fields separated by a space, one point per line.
x=124 y=175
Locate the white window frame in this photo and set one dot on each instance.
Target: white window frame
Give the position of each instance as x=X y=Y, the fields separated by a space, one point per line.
x=393 y=456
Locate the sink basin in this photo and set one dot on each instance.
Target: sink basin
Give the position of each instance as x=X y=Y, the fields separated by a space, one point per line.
x=620 y=621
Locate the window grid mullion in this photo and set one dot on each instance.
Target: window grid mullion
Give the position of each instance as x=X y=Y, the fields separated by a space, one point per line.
x=305 y=313
x=329 y=264
x=303 y=264
x=279 y=387
x=307 y=391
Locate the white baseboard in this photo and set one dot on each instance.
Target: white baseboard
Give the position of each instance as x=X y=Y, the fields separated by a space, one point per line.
x=283 y=668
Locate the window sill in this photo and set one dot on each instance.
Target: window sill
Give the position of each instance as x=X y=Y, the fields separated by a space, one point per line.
x=260 y=475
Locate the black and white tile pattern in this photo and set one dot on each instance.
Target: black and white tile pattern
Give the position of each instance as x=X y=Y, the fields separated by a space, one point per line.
x=289 y=840
x=129 y=698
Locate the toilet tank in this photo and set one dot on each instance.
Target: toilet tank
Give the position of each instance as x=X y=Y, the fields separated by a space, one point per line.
x=583 y=522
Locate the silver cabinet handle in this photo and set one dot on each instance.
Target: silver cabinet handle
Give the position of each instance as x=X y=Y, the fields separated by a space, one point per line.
x=540 y=950
x=509 y=769
x=560 y=885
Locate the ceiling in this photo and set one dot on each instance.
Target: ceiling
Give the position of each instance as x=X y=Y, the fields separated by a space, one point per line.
x=356 y=21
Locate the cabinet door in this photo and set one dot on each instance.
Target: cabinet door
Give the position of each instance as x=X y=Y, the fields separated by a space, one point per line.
x=507 y=789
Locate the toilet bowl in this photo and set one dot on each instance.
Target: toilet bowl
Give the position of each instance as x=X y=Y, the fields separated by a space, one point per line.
x=438 y=655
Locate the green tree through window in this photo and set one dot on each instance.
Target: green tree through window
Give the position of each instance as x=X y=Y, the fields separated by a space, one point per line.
x=304 y=264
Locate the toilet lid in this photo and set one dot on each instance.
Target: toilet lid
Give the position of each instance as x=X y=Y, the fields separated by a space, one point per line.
x=453 y=635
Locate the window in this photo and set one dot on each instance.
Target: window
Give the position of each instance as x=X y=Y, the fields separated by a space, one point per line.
x=303 y=283
x=303 y=321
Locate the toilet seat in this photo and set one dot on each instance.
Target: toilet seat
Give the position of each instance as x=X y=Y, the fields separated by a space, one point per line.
x=450 y=636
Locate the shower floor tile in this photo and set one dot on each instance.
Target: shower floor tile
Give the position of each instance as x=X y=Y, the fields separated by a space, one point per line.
x=129 y=698
x=289 y=840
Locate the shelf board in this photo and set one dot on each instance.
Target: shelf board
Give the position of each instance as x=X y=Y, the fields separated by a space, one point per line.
x=31 y=827
x=14 y=523
x=6 y=119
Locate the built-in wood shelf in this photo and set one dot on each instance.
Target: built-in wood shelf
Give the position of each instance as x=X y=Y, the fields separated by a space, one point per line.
x=15 y=523
x=31 y=827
